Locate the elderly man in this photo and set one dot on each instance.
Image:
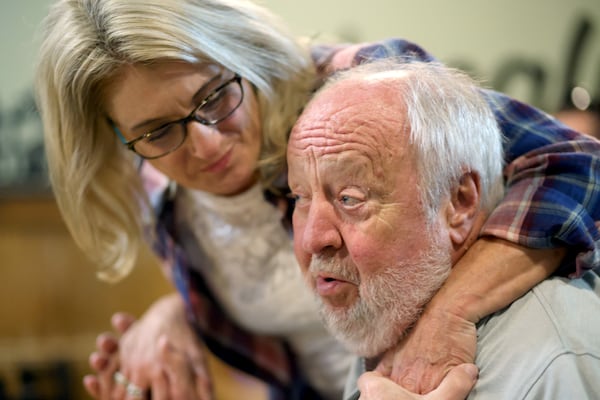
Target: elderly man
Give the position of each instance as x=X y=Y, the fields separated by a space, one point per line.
x=394 y=167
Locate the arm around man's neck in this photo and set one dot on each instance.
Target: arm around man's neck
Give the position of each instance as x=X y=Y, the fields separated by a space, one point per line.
x=488 y=277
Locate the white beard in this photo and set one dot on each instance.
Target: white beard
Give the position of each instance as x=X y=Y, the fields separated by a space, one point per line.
x=389 y=302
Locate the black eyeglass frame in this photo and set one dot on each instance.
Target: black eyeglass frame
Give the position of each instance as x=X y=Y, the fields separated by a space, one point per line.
x=185 y=120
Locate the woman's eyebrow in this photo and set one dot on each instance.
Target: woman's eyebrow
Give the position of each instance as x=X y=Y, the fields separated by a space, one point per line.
x=203 y=87
x=195 y=98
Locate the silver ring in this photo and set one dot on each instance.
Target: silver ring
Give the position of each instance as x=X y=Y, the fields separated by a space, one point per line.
x=134 y=391
x=119 y=378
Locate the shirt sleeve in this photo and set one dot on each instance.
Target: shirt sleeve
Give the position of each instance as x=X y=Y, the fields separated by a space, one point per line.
x=552 y=177
x=552 y=173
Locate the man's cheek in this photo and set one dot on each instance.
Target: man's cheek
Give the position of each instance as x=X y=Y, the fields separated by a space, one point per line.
x=302 y=256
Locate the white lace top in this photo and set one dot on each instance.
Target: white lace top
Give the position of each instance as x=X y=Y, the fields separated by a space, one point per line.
x=248 y=262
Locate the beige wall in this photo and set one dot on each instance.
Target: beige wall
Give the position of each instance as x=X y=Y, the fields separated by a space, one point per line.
x=484 y=34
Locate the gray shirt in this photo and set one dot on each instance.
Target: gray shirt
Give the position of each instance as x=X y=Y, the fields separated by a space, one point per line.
x=546 y=345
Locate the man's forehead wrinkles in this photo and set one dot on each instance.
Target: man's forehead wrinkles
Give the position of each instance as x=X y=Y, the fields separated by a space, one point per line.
x=317 y=137
x=322 y=145
x=351 y=127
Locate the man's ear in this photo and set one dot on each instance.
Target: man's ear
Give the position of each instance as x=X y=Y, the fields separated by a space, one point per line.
x=463 y=209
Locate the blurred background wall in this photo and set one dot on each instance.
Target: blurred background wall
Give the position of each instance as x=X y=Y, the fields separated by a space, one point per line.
x=507 y=43
x=534 y=50
x=51 y=304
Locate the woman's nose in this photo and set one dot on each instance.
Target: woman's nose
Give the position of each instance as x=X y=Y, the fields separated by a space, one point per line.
x=204 y=141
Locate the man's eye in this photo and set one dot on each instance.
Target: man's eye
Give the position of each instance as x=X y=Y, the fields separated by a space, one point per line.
x=297 y=198
x=292 y=196
x=349 y=201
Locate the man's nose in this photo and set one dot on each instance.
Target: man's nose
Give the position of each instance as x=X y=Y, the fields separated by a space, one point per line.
x=204 y=141
x=321 y=228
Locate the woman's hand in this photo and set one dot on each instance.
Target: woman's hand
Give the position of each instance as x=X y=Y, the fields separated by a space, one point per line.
x=181 y=379
x=455 y=386
x=105 y=362
x=160 y=352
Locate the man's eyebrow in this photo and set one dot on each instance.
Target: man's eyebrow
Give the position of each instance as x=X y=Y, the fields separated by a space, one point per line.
x=195 y=96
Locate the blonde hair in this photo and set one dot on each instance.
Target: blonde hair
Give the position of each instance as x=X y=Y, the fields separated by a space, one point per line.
x=87 y=42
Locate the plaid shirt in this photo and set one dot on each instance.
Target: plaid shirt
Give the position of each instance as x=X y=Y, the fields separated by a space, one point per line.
x=553 y=199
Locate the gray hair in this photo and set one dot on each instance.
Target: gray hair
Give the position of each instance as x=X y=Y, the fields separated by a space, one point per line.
x=85 y=43
x=452 y=128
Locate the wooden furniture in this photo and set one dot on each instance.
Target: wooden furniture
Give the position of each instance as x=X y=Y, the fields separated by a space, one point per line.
x=53 y=306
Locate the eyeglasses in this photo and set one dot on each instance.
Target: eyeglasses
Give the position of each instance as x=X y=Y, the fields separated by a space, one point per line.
x=224 y=97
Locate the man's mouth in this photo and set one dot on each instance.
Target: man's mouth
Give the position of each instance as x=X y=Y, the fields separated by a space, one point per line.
x=334 y=291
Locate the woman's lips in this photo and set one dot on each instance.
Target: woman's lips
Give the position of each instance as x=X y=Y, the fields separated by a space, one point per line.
x=220 y=165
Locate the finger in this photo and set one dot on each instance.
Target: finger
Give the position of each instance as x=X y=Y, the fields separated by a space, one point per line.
x=110 y=387
x=137 y=385
x=91 y=385
x=137 y=389
x=117 y=391
x=372 y=385
x=457 y=384
x=160 y=387
x=368 y=376
x=204 y=384
x=98 y=361
x=141 y=378
x=122 y=321
x=184 y=382
x=107 y=342
x=134 y=392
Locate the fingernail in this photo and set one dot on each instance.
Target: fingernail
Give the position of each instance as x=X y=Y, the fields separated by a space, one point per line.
x=472 y=371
